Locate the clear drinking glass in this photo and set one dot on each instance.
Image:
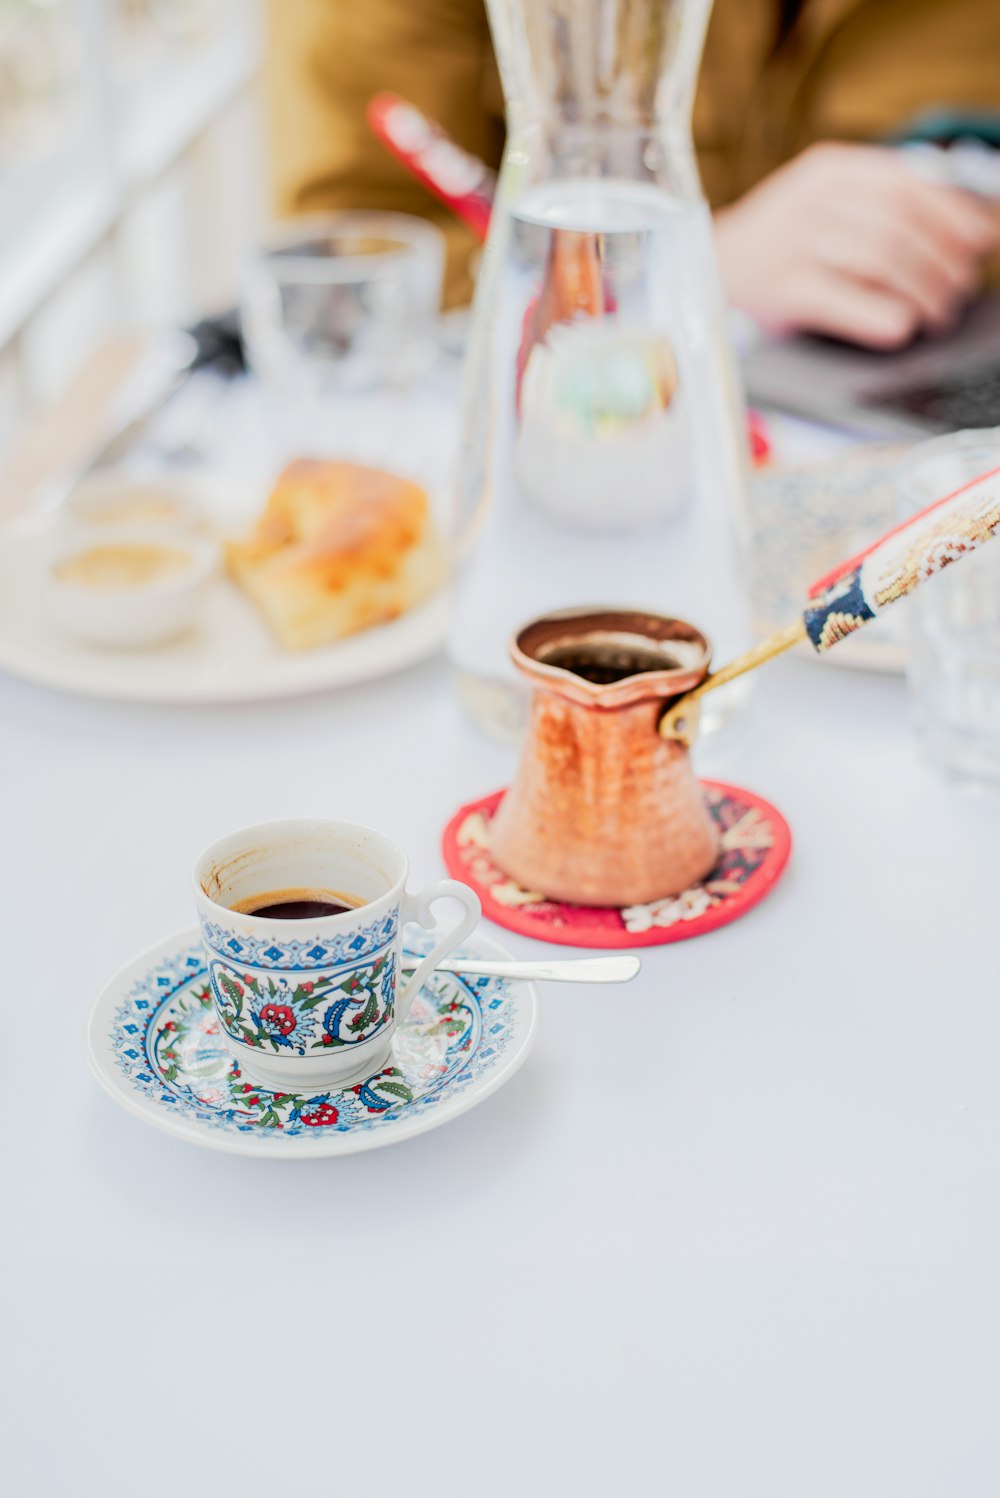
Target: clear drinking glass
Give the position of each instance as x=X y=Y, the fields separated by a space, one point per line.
x=339 y=316
x=953 y=666
x=603 y=457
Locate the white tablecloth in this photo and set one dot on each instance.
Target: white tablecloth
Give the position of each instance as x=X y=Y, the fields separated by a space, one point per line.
x=732 y=1232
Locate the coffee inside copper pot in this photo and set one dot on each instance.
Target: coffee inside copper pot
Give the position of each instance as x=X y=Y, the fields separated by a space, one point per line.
x=600 y=648
x=604 y=661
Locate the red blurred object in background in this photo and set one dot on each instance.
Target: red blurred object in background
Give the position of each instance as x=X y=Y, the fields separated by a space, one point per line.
x=760 y=442
x=462 y=181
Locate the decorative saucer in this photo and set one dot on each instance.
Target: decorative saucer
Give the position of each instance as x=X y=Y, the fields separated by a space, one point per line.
x=154 y=1044
x=756 y=842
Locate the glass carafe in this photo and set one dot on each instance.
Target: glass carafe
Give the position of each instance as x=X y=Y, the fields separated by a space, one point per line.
x=603 y=457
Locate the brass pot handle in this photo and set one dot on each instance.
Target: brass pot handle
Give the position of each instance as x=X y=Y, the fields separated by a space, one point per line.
x=680 y=721
x=862 y=588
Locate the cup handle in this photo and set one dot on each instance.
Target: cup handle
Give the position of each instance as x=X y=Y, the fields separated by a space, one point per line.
x=418 y=908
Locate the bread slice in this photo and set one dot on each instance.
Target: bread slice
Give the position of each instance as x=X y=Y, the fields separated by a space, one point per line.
x=339 y=547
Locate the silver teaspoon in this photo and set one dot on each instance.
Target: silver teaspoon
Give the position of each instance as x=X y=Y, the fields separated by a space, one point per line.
x=564 y=970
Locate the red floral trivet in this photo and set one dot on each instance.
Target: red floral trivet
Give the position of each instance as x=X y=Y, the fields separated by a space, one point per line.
x=755 y=846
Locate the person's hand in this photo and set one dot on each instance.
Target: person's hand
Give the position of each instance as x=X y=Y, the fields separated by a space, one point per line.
x=846 y=240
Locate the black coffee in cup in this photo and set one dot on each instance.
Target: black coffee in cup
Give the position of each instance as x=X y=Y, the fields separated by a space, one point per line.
x=297 y=904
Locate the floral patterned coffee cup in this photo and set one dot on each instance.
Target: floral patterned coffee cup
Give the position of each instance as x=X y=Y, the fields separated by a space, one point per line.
x=313 y=1003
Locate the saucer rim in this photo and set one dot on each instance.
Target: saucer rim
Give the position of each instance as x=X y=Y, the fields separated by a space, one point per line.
x=190 y=1131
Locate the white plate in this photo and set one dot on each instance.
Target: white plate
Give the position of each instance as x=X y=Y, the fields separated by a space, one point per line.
x=154 y=1044
x=229 y=657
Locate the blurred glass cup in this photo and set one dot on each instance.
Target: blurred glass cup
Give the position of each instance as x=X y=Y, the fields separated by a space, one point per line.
x=338 y=309
x=953 y=665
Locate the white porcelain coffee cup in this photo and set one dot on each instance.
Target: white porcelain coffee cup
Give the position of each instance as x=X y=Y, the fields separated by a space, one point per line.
x=313 y=1003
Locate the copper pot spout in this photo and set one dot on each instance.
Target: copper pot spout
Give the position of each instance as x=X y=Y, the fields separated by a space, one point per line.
x=603 y=810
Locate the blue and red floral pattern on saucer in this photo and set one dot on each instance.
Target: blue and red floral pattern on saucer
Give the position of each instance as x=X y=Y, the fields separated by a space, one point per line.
x=155 y=1044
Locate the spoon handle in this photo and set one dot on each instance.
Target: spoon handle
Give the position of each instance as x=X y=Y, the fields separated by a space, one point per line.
x=619 y=969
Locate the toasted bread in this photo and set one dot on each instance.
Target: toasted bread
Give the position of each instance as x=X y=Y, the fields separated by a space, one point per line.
x=339 y=548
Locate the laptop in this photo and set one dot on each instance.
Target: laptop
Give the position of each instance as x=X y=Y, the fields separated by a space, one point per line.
x=934 y=385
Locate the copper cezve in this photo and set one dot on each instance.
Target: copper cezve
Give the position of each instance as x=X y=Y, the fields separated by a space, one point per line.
x=603 y=810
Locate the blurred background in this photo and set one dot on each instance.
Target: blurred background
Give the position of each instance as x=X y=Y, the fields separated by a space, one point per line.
x=130 y=181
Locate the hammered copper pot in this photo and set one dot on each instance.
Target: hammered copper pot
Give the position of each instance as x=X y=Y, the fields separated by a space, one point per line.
x=603 y=811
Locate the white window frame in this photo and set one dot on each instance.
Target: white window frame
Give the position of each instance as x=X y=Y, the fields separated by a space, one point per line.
x=53 y=218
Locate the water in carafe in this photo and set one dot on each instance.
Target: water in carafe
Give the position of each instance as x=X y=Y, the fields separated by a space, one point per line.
x=603 y=452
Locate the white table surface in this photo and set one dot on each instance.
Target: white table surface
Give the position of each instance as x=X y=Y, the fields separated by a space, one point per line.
x=732 y=1232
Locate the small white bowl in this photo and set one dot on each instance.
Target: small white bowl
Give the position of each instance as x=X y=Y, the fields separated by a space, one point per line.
x=130 y=615
x=117 y=500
